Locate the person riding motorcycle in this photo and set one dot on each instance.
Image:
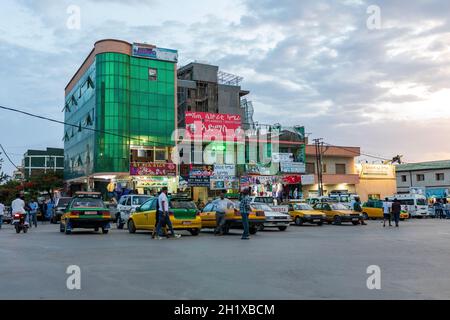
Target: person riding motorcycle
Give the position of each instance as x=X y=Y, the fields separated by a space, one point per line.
x=18 y=205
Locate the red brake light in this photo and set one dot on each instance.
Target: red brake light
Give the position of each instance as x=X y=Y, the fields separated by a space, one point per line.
x=75 y=213
x=17 y=215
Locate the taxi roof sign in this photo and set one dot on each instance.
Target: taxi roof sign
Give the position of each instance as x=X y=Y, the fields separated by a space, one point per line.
x=88 y=194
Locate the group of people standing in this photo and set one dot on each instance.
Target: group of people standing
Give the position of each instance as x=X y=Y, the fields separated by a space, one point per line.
x=391 y=210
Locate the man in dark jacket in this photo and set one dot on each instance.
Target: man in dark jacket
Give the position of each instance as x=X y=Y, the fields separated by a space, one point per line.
x=396 y=209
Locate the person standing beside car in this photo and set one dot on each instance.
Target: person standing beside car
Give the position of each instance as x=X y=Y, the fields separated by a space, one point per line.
x=222 y=205
x=396 y=210
x=244 y=208
x=163 y=203
x=387 y=212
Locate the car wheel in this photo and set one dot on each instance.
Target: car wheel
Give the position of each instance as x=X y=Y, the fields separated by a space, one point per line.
x=66 y=230
x=337 y=220
x=131 y=227
x=195 y=232
x=298 y=221
x=105 y=231
x=355 y=223
x=253 y=230
x=96 y=229
x=366 y=216
x=320 y=224
x=260 y=227
x=282 y=228
x=61 y=227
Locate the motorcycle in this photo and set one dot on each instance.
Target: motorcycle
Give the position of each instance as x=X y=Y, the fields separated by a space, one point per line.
x=20 y=223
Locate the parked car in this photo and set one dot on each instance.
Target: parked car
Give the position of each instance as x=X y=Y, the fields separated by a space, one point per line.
x=59 y=208
x=7 y=216
x=274 y=219
x=233 y=218
x=302 y=213
x=183 y=214
x=126 y=205
x=86 y=210
x=338 y=213
x=270 y=201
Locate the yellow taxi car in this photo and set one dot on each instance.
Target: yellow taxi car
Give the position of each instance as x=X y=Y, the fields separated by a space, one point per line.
x=373 y=209
x=302 y=213
x=233 y=218
x=338 y=213
x=183 y=214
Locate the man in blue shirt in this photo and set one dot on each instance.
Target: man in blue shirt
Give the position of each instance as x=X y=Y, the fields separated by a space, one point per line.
x=33 y=212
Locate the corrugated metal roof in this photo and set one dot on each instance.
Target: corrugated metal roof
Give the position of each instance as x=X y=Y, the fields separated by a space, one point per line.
x=431 y=165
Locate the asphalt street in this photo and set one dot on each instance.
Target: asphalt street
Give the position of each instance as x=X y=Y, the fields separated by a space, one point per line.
x=310 y=262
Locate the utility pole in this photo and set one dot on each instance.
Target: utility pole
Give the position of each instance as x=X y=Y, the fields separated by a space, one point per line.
x=318 y=143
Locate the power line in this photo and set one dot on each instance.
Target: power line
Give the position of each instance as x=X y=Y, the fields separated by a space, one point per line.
x=77 y=125
x=358 y=153
x=7 y=156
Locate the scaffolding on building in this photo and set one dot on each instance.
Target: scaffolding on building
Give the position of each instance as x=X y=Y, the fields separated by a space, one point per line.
x=248 y=112
x=229 y=79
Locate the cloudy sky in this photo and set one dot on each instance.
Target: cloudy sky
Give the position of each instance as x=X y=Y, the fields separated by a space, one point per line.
x=309 y=62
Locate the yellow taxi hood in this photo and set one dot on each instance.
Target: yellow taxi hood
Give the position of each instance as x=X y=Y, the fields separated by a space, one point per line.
x=310 y=212
x=345 y=212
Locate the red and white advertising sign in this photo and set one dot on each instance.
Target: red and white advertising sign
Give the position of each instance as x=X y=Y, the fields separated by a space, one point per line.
x=223 y=127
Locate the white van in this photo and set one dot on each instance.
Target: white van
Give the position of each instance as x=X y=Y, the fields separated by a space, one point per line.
x=415 y=204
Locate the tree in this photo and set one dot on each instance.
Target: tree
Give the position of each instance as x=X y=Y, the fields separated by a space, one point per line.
x=46 y=182
x=3 y=176
x=9 y=190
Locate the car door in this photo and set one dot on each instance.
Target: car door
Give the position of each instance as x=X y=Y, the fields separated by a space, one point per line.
x=208 y=216
x=151 y=215
x=140 y=216
x=326 y=208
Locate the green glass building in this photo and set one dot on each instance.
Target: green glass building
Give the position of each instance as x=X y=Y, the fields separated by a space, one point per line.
x=120 y=106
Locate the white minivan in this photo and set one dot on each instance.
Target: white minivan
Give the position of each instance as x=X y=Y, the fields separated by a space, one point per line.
x=127 y=205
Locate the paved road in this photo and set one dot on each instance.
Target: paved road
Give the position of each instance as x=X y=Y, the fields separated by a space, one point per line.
x=326 y=262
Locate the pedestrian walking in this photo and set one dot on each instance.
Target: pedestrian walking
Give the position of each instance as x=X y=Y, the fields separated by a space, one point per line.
x=222 y=206
x=163 y=212
x=387 y=212
x=2 y=212
x=396 y=210
x=157 y=219
x=33 y=205
x=244 y=208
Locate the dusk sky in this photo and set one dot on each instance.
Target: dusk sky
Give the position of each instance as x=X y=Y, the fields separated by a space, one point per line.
x=305 y=62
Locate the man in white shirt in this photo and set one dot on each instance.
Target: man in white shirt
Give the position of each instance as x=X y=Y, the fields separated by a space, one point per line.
x=222 y=205
x=387 y=212
x=163 y=212
x=2 y=211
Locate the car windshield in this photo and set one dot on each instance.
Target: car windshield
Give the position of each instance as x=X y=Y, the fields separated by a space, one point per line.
x=267 y=200
x=303 y=206
x=421 y=202
x=87 y=203
x=63 y=202
x=338 y=206
x=261 y=206
x=178 y=204
x=137 y=201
